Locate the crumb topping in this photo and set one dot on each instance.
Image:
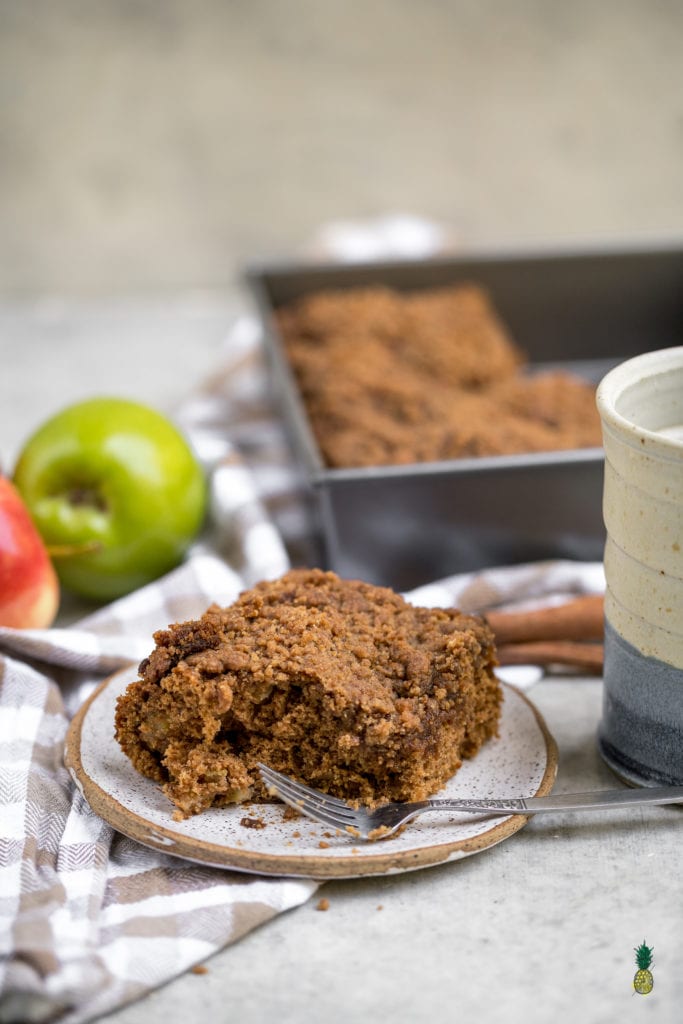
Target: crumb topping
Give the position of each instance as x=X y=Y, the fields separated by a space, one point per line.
x=394 y=377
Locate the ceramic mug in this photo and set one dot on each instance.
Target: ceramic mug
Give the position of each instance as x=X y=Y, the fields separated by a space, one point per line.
x=641 y=408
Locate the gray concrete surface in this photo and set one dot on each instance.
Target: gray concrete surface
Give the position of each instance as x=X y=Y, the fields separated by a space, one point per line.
x=146 y=151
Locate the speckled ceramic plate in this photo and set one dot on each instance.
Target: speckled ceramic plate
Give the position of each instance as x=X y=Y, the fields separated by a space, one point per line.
x=521 y=762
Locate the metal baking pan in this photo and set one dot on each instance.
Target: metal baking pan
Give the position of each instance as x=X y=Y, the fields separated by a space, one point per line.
x=402 y=526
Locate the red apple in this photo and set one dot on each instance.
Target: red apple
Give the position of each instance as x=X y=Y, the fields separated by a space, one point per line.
x=29 y=592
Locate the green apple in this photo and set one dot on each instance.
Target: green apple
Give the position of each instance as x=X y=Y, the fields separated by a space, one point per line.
x=115 y=492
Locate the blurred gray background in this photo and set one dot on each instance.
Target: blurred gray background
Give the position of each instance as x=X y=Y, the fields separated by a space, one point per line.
x=149 y=148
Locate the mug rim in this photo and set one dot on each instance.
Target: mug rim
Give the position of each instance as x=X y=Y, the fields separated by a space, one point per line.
x=615 y=382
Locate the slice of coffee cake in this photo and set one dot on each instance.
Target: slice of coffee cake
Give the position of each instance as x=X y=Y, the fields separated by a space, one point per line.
x=340 y=684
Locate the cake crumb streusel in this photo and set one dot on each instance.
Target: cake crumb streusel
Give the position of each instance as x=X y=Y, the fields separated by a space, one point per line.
x=248 y=822
x=391 y=377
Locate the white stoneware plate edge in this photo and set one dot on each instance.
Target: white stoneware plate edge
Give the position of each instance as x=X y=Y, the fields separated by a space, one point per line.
x=349 y=861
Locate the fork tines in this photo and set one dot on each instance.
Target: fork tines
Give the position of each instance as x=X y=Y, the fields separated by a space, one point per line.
x=311 y=802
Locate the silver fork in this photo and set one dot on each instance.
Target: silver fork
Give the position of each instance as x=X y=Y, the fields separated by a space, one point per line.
x=384 y=821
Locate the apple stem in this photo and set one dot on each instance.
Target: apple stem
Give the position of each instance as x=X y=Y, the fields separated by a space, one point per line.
x=89 y=547
x=88 y=496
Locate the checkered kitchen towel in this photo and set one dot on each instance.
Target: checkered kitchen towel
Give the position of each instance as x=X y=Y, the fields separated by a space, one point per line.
x=90 y=920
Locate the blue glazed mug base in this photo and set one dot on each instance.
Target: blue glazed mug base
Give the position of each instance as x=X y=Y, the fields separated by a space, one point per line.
x=630 y=771
x=641 y=732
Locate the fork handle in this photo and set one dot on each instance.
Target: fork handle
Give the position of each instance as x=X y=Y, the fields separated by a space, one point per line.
x=564 y=802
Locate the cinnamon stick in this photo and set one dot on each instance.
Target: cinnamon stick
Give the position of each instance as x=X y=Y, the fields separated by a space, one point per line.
x=572 y=654
x=580 y=619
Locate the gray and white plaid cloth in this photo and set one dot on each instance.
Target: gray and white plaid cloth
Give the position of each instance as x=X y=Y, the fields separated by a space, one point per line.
x=90 y=920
